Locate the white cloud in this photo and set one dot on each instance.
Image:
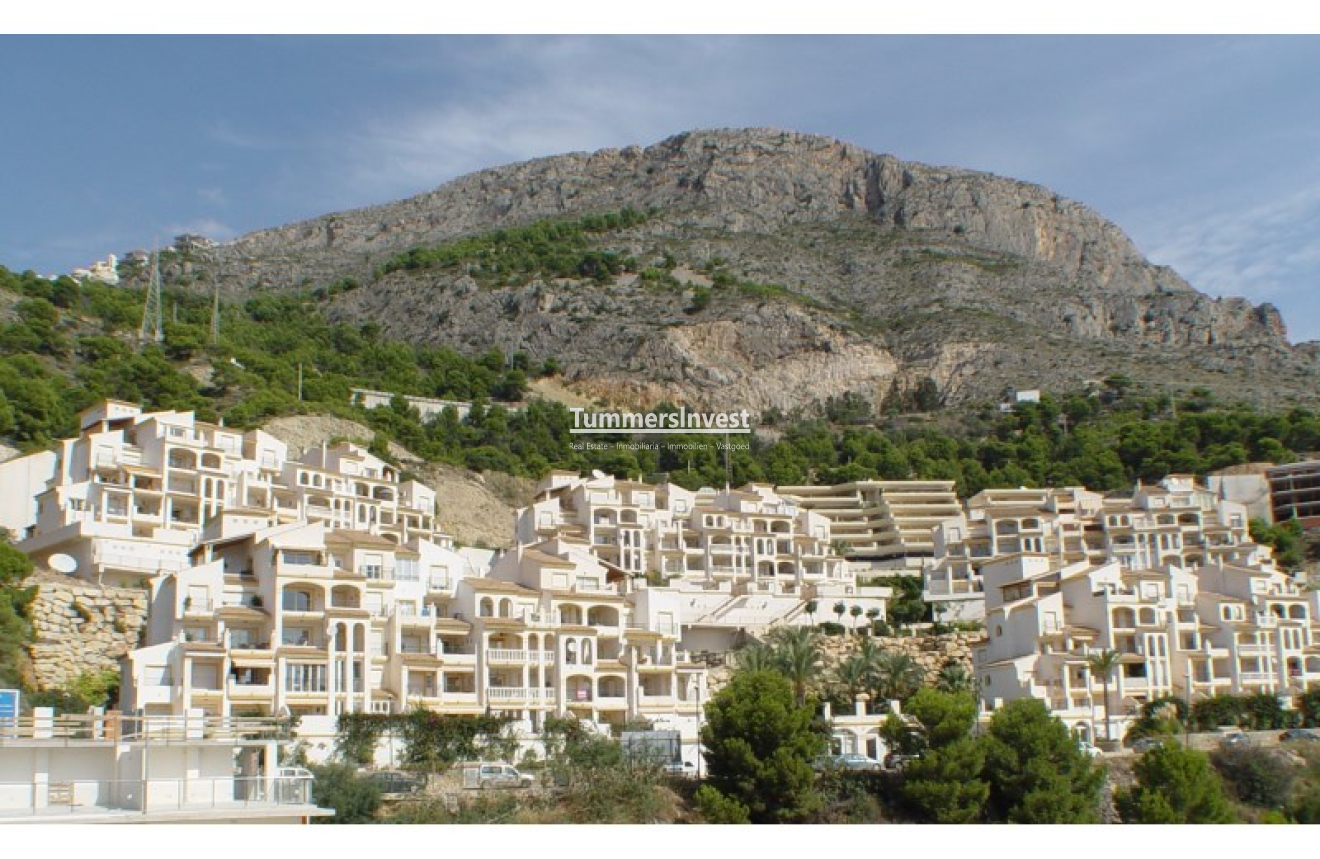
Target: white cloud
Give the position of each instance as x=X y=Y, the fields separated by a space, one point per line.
x=1264 y=249
x=554 y=96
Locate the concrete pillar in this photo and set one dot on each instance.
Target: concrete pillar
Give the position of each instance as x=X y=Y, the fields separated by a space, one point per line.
x=332 y=673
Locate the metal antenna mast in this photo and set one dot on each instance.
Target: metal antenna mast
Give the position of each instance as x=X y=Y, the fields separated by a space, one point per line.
x=215 y=308
x=152 y=325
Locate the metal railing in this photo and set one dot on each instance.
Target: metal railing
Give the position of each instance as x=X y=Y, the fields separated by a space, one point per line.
x=88 y=796
x=119 y=727
x=520 y=693
x=138 y=562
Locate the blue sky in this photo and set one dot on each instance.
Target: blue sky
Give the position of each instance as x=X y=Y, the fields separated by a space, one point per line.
x=1206 y=150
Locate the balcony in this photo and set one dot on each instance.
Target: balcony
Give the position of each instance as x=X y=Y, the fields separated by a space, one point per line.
x=407 y=649
x=247 y=691
x=656 y=702
x=519 y=694
x=140 y=563
x=952 y=588
x=106 y=800
x=500 y=656
x=1255 y=649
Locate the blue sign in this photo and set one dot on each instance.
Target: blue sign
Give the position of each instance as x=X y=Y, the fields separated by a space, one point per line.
x=9 y=705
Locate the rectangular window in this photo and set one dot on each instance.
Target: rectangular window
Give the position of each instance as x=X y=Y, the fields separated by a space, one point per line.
x=300 y=677
x=304 y=559
x=406 y=570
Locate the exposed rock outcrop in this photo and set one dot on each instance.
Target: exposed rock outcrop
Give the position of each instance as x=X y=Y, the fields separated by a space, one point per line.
x=885 y=273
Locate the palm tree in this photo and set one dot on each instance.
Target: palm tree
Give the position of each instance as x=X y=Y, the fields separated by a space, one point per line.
x=797 y=653
x=854 y=675
x=873 y=614
x=839 y=609
x=1103 y=664
x=898 y=676
x=812 y=605
x=856 y=612
x=756 y=657
x=954 y=678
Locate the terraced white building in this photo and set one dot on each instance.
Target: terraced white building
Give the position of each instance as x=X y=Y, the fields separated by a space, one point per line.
x=133 y=493
x=735 y=561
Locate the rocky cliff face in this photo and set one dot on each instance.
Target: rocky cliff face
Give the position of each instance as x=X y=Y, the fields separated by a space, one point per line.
x=885 y=273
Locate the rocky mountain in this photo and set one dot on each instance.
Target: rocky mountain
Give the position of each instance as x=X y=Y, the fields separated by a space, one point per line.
x=779 y=269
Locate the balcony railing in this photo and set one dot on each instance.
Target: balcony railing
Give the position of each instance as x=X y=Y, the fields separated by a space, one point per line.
x=93 y=796
x=117 y=727
x=1255 y=649
x=139 y=562
x=520 y=693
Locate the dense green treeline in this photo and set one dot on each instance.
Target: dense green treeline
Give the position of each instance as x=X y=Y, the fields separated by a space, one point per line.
x=551 y=248
x=65 y=345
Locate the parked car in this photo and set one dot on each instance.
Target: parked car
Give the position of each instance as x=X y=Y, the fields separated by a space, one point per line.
x=1236 y=740
x=1089 y=749
x=895 y=761
x=1145 y=744
x=488 y=776
x=683 y=768
x=851 y=761
x=394 y=783
x=1299 y=735
x=858 y=762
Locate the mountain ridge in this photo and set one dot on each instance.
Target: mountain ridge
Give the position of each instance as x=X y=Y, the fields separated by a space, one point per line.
x=885 y=273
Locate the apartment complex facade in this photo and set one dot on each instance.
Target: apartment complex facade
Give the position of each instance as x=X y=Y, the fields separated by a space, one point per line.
x=1176 y=521
x=134 y=492
x=308 y=620
x=1188 y=632
x=319 y=585
x=884 y=524
x=733 y=561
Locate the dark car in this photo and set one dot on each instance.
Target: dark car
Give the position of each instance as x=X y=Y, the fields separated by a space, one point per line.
x=1236 y=740
x=1299 y=735
x=1145 y=744
x=396 y=783
x=895 y=761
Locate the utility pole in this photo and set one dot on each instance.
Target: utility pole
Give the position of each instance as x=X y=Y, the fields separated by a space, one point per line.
x=215 y=307
x=300 y=380
x=152 y=326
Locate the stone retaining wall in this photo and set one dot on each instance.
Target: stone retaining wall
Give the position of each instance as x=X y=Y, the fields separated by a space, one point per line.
x=79 y=627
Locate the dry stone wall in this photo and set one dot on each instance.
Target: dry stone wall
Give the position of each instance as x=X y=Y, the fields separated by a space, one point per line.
x=81 y=627
x=931 y=652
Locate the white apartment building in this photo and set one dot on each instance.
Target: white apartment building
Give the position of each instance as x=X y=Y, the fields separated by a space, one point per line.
x=1174 y=522
x=1187 y=632
x=883 y=524
x=735 y=561
x=313 y=621
x=129 y=497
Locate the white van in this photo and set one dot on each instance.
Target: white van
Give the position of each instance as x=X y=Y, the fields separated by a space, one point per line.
x=487 y=776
